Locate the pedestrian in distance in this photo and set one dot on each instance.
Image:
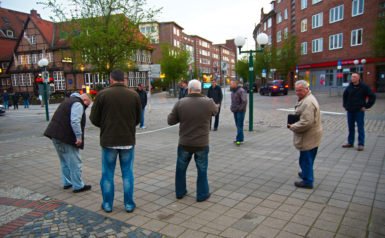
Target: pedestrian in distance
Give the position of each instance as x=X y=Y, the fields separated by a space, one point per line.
x=183 y=91
x=6 y=99
x=116 y=111
x=15 y=101
x=143 y=100
x=215 y=92
x=26 y=99
x=357 y=98
x=307 y=132
x=66 y=130
x=238 y=107
x=193 y=113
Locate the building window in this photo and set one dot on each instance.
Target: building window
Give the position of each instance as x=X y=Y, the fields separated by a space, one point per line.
x=59 y=80
x=357 y=7
x=317 y=20
x=335 y=41
x=15 y=79
x=279 y=18
x=356 y=37
x=264 y=26
x=336 y=14
x=303 y=4
x=304 y=25
x=285 y=33
x=33 y=40
x=279 y=36
x=304 y=48
x=317 y=45
x=10 y=33
x=315 y=1
x=269 y=22
x=285 y=14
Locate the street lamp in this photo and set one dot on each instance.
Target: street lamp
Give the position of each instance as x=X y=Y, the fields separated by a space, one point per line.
x=43 y=63
x=262 y=40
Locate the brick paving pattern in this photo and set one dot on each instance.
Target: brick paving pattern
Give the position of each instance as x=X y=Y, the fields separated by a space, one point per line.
x=252 y=185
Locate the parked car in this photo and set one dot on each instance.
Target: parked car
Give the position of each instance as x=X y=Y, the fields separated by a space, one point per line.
x=246 y=87
x=274 y=87
x=2 y=110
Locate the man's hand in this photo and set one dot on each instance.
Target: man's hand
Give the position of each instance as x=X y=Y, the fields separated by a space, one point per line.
x=288 y=126
x=78 y=142
x=363 y=109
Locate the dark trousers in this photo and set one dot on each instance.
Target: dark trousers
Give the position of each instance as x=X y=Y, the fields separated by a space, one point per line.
x=359 y=118
x=216 y=122
x=306 y=162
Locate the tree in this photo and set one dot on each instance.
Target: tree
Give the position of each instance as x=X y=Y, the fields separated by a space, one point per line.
x=379 y=38
x=174 y=63
x=287 y=56
x=103 y=33
x=242 y=68
x=263 y=61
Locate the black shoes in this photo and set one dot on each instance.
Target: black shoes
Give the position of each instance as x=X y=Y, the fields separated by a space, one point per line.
x=204 y=199
x=67 y=186
x=347 y=146
x=360 y=148
x=181 y=196
x=301 y=184
x=83 y=189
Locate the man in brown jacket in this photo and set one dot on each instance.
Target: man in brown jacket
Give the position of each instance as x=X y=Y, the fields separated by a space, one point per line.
x=194 y=113
x=307 y=132
x=116 y=111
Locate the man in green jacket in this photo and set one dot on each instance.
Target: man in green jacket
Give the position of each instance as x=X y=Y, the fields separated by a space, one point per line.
x=116 y=110
x=193 y=113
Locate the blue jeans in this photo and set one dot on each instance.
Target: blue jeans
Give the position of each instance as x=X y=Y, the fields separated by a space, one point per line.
x=70 y=163
x=239 y=118
x=142 y=118
x=6 y=105
x=306 y=161
x=126 y=159
x=26 y=103
x=201 y=162
x=353 y=118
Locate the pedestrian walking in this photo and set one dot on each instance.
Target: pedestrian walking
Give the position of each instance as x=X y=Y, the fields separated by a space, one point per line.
x=6 y=99
x=357 y=99
x=215 y=92
x=307 y=132
x=116 y=111
x=15 y=101
x=26 y=99
x=66 y=130
x=143 y=100
x=238 y=107
x=183 y=89
x=193 y=113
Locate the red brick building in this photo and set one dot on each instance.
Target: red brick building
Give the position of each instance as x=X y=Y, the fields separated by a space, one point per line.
x=36 y=38
x=334 y=39
x=209 y=61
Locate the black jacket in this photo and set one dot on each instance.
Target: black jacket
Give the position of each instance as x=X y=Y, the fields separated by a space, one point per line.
x=358 y=96
x=143 y=97
x=60 y=124
x=215 y=93
x=116 y=110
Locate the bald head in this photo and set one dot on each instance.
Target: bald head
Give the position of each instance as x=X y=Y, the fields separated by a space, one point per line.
x=194 y=86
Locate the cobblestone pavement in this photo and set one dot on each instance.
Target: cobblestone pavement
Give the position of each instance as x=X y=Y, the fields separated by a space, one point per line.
x=252 y=185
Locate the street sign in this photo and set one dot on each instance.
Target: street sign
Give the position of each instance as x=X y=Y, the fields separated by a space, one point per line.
x=155 y=71
x=143 y=67
x=263 y=73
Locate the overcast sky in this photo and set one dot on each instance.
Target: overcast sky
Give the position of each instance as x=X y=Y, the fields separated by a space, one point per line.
x=214 y=20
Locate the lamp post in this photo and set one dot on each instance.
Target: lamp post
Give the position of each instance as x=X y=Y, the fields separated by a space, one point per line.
x=43 y=63
x=262 y=40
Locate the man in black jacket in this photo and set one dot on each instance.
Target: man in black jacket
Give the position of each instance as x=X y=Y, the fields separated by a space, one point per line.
x=215 y=92
x=143 y=100
x=66 y=129
x=357 y=99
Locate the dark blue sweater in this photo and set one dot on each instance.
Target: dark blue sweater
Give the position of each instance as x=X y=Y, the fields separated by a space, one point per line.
x=358 y=96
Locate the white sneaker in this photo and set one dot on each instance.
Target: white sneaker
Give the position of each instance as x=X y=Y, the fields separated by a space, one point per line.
x=143 y=127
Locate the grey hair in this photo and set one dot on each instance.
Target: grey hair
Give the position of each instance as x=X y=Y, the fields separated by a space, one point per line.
x=303 y=83
x=195 y=86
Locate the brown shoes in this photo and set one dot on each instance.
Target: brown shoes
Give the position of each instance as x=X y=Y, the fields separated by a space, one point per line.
x=347 y=146
x=360 y=148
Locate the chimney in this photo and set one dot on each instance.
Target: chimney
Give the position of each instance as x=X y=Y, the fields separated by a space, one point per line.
x=34 y=13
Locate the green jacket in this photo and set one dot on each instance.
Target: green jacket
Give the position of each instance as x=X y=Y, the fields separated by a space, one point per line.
x=116 y=110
